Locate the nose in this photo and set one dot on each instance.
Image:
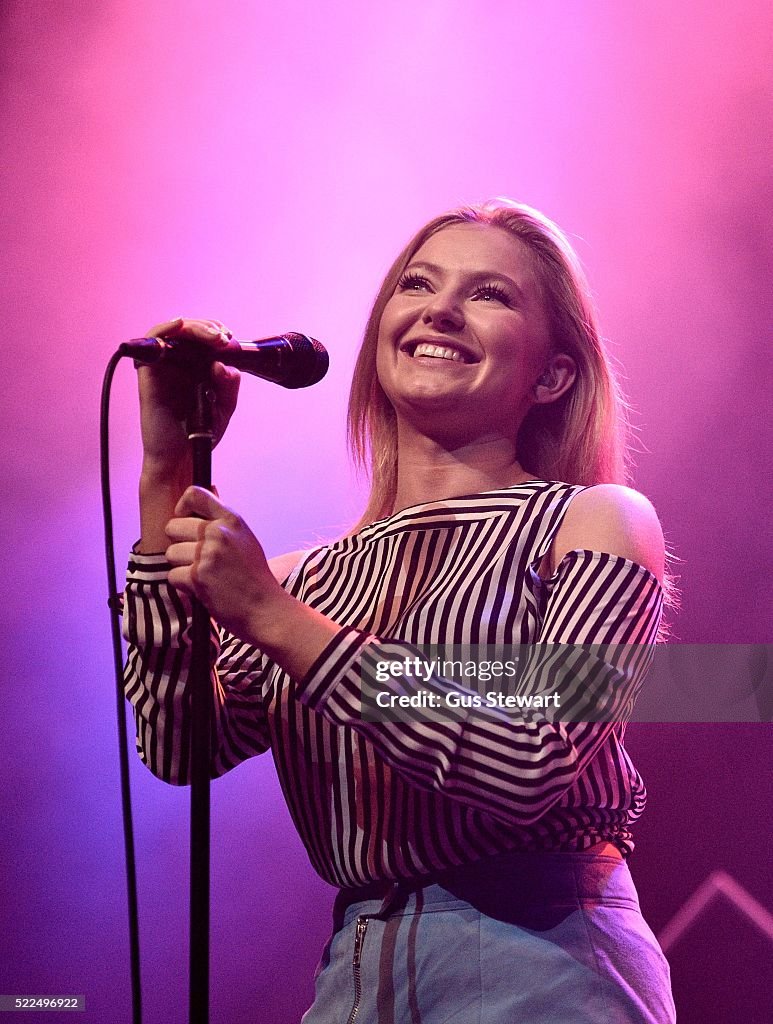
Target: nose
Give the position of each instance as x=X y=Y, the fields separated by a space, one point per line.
x=443 y=312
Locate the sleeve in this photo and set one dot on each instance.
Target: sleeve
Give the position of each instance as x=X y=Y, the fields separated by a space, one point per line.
x=600 y=621
x=156 y=625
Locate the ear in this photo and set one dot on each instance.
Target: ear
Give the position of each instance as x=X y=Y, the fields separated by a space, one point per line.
x=555 y=380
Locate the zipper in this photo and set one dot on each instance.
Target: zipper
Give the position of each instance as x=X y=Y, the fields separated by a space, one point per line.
x=359 y=937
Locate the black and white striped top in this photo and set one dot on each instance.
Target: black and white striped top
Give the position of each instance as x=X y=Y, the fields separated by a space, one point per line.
x=380 y=800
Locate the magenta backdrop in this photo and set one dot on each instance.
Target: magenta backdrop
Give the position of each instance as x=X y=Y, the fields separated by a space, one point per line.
x=262 y=164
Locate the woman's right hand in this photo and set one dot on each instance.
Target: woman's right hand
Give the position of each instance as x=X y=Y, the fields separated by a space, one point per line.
x=166 y=394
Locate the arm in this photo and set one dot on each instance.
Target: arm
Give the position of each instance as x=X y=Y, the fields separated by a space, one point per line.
x=512 y=766
x=611 y=518
x=166 y=395
x=157 y=617
x=157 y=627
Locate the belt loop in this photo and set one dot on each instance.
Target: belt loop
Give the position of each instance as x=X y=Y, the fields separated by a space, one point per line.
x=396 y=899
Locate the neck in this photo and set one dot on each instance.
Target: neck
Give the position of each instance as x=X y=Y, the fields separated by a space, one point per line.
x=430 y=470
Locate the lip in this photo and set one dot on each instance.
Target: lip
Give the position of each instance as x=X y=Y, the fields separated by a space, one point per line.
x=408 y=347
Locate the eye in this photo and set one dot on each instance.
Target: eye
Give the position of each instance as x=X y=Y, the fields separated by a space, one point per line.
x=412 y=282
x=487 y=292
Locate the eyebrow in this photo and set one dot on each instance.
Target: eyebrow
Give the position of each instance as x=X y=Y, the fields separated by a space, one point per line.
x=473 y=275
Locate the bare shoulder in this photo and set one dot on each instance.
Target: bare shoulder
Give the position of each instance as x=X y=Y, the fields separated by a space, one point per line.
x=616 y=519
x=282 y=565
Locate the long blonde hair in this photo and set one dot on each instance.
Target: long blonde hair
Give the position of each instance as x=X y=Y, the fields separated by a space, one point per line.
x=581 y=438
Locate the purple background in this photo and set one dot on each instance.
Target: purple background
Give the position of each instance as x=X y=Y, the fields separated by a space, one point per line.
x=263 y=164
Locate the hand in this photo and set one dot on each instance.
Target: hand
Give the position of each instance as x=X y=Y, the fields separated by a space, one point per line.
x=166 y=395
x=216 y=557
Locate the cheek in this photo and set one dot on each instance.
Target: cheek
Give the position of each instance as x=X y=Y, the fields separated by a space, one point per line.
x=526 y=350
x=384 y=358
x=392 y=325
x=391 y=319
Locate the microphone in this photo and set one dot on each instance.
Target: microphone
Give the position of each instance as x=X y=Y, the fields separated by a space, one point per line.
x=291 y=360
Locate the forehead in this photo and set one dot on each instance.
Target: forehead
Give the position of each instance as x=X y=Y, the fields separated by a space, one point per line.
x=478 y=247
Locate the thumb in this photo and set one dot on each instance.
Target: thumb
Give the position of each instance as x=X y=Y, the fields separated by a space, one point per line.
x=198 y=501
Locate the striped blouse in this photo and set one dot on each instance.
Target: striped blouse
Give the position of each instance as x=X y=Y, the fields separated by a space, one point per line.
x=384 y=797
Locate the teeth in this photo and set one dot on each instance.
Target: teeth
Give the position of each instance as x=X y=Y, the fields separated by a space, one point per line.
x=438 y=352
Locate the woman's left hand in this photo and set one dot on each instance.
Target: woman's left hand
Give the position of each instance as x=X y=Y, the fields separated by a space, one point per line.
x=216 y=557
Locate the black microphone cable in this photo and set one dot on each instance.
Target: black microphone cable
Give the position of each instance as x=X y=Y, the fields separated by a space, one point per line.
x=123 y=746
x=300 y=362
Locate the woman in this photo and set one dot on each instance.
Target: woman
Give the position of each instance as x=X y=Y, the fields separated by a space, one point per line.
x=481 y=853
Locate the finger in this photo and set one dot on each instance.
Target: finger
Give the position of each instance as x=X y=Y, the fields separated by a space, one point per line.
x=215 y=327
x=168 y=327
x=182 y=554
x=227 y=380
x=191 y=528
x=222 y=328
x=225 y=375
x=209 y=332
x=197 y=501
x=181 y=578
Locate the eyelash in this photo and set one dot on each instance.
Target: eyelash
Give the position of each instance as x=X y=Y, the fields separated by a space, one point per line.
x=494 y=291
x=411 y=279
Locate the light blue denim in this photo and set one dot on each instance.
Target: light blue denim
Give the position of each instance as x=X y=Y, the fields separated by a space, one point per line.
x=523 y=938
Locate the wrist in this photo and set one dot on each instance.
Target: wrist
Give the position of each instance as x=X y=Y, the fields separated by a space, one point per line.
x=269 y=623
x=157 y=475
x=290 y=633
x=159 y=491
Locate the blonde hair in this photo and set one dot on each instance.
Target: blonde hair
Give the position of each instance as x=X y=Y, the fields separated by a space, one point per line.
x=582 y=438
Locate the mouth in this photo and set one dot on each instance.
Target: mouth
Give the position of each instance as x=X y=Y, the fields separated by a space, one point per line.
x=451 y=352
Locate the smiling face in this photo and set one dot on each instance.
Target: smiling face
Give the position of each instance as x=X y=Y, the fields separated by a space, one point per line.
x=464 y=338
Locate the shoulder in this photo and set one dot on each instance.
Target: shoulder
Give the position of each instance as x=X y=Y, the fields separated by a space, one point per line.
x=282 y=565
x=615 y=519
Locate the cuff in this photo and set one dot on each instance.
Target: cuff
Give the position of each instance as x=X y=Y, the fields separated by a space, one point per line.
x=332 y=665
x=147 y=567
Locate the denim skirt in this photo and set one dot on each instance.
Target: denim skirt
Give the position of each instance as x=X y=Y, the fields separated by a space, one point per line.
x=521 y=938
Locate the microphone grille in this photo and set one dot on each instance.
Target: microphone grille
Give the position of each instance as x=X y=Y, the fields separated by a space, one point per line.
x=309 y=363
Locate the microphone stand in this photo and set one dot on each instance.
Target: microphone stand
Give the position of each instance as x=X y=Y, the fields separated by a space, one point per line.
x=200 y=432
x=294 y=361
